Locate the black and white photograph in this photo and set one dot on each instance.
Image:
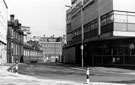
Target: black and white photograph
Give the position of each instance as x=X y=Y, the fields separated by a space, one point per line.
x=67 y=42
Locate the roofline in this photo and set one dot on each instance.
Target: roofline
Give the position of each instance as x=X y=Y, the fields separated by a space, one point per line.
x=5 y=4
x=25 y=26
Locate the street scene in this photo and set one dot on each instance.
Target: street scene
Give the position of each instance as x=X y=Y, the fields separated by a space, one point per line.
x=67 y=42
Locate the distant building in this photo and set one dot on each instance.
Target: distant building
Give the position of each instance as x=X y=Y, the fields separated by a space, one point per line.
x=27 y=33
x=51 y=46
x=3 y=31
x=32 y=52
x=109 y=33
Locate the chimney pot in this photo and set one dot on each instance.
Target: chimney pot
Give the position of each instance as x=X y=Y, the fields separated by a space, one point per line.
x=12 y=17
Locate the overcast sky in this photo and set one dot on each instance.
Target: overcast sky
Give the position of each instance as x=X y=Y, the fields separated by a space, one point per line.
x=43 y=16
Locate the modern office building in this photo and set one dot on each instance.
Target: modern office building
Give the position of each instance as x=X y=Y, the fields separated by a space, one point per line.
x=3 y=31
x=108 y=29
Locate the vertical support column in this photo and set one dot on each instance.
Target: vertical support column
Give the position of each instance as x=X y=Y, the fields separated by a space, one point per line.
x=99 y=26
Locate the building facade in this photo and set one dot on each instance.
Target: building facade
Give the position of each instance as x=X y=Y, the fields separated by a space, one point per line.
x=3 y=31
x=109 y=32
x=14 y=40
x=52 y=47
x=20 y=47
x=27 y=34
x=32 y=52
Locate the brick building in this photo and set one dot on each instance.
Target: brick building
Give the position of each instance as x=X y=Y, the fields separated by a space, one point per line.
x=14 y=40
x=20 y=47
x=51 y=46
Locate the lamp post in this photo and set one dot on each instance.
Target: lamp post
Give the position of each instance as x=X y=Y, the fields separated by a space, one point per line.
x=82 y=32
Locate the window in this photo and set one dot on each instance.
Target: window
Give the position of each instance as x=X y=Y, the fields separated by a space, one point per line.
x=69 y=27
x=96 y=24
x=92 y=26
x=120 y=18
x=103 y=20
x=110 y=18
x=131 y=19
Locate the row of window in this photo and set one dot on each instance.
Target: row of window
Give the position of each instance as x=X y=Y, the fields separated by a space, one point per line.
x=91 y=26
x=121 y=17
x=32 y=53
x=51 y=45
x=16 y=49
x=115 y=51
x=118 y=16
x=16 y=35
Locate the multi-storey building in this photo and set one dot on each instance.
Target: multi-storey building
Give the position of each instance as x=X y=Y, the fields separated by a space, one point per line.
x=3 y=31
x=20 y=47
x=109 y=32
x=14 y=40
x=51 y=46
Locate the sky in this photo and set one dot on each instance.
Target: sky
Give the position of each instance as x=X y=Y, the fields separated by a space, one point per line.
x=44 y=17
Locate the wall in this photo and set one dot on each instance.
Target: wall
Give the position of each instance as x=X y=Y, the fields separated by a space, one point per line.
x=124 y=5
x=105 y=6
x=90 y=12
x=3 y=31
x=69 y=55
x=3 y=21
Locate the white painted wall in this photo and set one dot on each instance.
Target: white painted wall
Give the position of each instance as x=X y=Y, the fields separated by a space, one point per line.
x=124 y=5
x=3 y=21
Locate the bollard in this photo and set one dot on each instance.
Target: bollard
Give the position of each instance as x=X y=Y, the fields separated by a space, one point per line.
x=16 y=67
x=87 y=75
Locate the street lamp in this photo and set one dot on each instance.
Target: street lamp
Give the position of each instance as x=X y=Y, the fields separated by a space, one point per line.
x=82 y=46
x=82 y=31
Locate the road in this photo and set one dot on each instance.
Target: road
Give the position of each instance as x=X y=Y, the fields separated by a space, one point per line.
x=77 y=74
x=7 y=78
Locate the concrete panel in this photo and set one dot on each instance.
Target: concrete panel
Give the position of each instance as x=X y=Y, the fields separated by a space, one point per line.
x=91 y=12
x=76 y=21
x=105 y=6
x=69 y=37
x=120 y=33
x=69 y=55
x=124 y=5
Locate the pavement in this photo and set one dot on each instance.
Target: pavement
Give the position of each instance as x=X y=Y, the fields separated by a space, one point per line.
x=20 y=79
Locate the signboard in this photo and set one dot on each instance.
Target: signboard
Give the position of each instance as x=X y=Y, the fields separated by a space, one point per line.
x=51 y=40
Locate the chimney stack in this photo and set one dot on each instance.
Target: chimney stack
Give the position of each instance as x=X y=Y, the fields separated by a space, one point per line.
x=12 y=16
